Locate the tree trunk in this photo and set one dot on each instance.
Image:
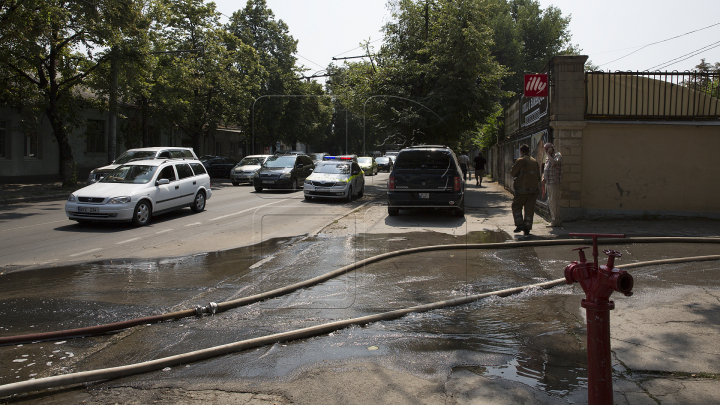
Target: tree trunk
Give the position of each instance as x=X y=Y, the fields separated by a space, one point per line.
x=67 y=161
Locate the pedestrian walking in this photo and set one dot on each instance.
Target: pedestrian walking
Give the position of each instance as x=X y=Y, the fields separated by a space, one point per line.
x=526 y=172
x=479 y=169
x=463 y=159
x=552 y=176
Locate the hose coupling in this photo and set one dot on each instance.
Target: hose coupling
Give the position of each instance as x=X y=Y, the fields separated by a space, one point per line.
x=211 y=308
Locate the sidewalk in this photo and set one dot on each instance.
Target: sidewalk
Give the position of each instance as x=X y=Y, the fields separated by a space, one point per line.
x=15 y=193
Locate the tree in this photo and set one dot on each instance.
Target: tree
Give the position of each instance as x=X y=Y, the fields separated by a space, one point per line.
x=48 y=50
x=525 y=37
x=433 y=79
x=205 y=76
x=256 y=25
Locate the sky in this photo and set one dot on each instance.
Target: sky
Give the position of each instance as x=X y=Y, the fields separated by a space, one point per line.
x=615 y=34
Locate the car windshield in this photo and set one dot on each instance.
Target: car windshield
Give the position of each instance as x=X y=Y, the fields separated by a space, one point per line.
x=365 y=160
x=130 y=174
x=251 y=161
x=424 y=159
x=280 y=161
x=340 y=168
x=134 y=154
x=382 y=160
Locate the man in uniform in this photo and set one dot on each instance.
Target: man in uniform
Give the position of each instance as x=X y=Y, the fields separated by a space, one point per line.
x=526 y=172
x=552 y=176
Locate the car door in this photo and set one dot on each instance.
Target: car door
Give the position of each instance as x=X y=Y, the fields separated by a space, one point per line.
x=167 y=196
x=358 y=178
x=187 y=182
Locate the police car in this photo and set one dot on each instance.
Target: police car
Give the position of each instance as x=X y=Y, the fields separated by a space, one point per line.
x=336 y=177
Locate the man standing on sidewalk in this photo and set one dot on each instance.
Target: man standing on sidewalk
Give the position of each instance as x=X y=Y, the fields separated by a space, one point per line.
x=479 y=169
x=526 y=172
x=463 y=159
x=552 y=176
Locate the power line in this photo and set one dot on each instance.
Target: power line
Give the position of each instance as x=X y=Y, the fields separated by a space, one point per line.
x=356 y=48
x=686 y=56
x=658 y=42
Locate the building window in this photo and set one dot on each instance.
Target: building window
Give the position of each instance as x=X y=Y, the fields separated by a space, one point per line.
x=3 y=139
x=95 y=136
x=31 y=144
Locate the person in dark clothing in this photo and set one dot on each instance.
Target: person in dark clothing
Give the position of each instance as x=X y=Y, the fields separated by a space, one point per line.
x=479 y=169
x=526 y=172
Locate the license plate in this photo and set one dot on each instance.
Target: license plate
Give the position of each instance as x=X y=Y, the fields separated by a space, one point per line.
x=88 y=209
x=322 y=189
x=424 y=195
x=268 y=181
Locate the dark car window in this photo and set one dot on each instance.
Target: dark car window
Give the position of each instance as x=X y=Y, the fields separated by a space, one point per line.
x=167 y=173
x=164 y=154
x=423 y=160
x=184 y=171
x=187 y=154
x=130 y=155
x=198 y=168
x=280 y=161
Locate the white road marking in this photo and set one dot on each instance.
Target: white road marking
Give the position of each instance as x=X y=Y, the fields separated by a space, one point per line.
x=249 y=209
x=126 y=241
x=194 y=223
x=167 y=230
x=86 y=252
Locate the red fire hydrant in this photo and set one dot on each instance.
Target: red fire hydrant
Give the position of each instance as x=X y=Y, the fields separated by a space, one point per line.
x=599 y=282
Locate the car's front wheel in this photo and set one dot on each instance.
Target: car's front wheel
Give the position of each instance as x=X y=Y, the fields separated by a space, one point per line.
x=142 y=213
x=235 y=183
x=294 y=184
x=362 y=191
x=308 y=197
x=348 y=198
x=199 y=203
x=258 y=189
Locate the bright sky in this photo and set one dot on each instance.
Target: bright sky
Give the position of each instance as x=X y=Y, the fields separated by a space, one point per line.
x=605 y=31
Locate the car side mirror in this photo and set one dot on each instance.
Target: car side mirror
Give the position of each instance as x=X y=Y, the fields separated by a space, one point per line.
x=162 y=181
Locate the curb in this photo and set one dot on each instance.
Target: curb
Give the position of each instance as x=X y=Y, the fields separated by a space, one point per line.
x=20 y=200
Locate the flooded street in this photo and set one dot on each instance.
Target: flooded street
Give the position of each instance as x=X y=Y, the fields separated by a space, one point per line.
x=535 y=338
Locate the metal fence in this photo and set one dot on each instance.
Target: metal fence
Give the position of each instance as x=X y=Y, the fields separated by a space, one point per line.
x=657 y=95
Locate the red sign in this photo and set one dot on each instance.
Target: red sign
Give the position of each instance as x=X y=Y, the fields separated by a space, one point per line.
x=536 y=86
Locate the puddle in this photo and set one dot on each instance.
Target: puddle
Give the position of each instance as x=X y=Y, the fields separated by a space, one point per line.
x=534 y=338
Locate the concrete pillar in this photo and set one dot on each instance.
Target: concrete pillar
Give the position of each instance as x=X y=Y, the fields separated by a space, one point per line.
x=567 y=119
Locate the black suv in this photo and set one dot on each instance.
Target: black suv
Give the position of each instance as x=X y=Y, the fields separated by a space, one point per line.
x=426 y=176
x=283 y=171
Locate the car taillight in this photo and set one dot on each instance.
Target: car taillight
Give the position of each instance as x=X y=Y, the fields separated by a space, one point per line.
x=457 y=185
x=391 y=183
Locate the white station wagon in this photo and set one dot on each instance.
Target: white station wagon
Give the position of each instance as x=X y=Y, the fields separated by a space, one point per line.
x=140 y=189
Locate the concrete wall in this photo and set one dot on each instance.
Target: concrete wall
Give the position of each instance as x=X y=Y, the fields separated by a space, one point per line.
x=631 y=168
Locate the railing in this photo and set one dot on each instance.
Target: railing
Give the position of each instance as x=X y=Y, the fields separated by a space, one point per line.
x=656 y=95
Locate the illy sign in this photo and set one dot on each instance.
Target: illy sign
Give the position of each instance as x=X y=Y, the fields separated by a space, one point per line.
x=536 y=85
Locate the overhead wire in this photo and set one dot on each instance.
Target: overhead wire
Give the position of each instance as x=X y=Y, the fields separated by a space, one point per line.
x=658 y=42
x=686 y=56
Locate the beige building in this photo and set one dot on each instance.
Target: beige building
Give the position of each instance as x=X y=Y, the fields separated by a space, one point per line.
x=633 y=144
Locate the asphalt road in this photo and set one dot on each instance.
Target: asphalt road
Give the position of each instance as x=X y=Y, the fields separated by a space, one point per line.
x=40 y=234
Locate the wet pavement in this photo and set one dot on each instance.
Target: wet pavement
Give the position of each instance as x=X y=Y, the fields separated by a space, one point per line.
x=527 y=348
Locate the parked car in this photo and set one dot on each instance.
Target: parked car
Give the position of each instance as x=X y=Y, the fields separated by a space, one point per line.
x=384 y=163
x=283 y=172
x=163 y=152
x=244 y=171
x=219 y=166
x=426 y=176
x=339 y=178
x=368 y=165
x=139 y=190
x=317 y=157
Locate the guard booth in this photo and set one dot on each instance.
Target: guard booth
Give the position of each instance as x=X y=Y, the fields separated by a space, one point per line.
x=634 y=144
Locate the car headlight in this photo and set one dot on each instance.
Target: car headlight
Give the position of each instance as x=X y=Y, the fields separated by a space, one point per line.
x=71 y=198
x=285 y=175
x=119 y=200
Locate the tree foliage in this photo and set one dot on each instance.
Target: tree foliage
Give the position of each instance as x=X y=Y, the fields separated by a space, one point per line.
x=48 y=49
